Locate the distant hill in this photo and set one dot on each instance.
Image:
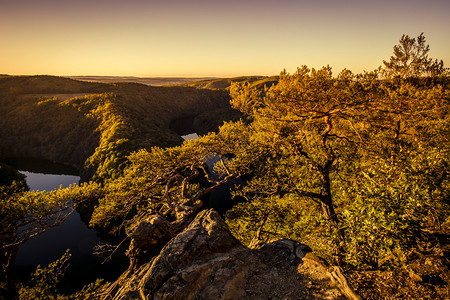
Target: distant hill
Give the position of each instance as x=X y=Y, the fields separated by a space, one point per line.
x=225 y=83
x=94 y=126
x=197 y=82
x=153 y=81
x=45 y=84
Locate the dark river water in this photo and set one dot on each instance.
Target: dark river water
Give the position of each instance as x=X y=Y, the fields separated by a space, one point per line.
x=73 y=234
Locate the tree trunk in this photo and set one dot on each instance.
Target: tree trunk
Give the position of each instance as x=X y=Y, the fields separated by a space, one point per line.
x=329 y=212
x=8 y=259
x=327 y=200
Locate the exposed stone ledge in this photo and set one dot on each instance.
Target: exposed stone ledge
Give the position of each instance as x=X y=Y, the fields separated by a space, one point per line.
x=206 y=262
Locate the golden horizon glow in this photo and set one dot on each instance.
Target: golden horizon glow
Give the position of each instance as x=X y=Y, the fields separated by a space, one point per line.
x=200 y=38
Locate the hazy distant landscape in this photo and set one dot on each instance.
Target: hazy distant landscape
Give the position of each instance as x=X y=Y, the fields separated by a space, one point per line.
x=154 y=81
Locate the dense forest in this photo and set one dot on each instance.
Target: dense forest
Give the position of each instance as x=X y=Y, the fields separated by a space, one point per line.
x=354 y=165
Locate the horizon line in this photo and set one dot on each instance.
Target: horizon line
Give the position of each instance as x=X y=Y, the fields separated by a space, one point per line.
x=145 y=76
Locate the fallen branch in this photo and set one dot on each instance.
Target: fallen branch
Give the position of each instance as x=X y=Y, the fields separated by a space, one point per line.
x=341 y=283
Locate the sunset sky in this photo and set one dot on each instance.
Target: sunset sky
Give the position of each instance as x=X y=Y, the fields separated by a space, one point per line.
x=211 y=37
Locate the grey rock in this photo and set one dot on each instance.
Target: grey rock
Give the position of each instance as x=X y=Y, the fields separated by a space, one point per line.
x=151 y=232
x=206 y=262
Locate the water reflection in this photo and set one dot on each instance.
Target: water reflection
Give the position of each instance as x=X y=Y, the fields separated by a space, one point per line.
x=72 y=234
x=191 y=136
x=48 y=182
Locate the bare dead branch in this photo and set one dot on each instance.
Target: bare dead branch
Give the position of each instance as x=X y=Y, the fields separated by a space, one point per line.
x=223 y=165
x=24 y=232
x=108 y=250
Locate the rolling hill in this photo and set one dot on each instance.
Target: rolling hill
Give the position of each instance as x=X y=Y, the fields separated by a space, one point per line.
x=94 y=126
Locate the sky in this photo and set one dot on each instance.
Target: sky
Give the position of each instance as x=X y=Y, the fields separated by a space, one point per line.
x=211 y=38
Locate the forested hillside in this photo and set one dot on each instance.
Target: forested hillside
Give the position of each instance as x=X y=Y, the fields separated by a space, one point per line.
x=93 y=126
x=225 y=83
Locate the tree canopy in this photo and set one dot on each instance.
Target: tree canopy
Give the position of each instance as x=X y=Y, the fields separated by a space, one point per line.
x=411 y=59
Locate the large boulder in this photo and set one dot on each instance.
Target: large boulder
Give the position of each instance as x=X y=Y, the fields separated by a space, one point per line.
x=151 y=232
x=206 y=262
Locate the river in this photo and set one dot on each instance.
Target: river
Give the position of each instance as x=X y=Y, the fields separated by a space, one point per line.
x=73 y=234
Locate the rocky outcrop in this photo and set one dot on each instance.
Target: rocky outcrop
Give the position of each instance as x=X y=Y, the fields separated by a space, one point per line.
x=206 y=262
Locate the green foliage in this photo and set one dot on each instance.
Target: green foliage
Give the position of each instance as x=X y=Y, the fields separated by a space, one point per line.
x=12 y=190
x=27 y=214
x=303 y=132
x=380 y=145
x=267 y=217
x=89 y=291
x=109 y=157
x=154 y=182
x=396 y=206
x=411 y=59
x=44 y=281
x=273 y=217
